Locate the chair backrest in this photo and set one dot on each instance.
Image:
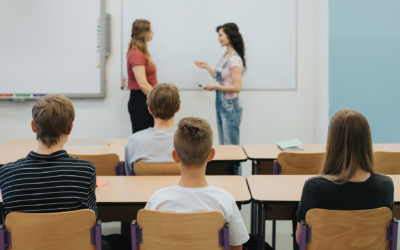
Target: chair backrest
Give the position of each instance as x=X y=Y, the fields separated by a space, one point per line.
x=348 y=229
x=53 y=231
x=300 y=163
x=157 y=168
x=180 y=231
x=387 y=162
x=105 y=163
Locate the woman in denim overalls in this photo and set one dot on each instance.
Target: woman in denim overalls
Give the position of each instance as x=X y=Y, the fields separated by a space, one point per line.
x=228 y=74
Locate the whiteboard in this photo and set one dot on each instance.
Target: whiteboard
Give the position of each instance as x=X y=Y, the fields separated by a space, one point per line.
x=184 y=31
x=50 y=46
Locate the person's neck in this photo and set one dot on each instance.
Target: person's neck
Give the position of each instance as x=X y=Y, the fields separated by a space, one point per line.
x=193 y=177
x=229 y=50
x=360 y=175
x=163 y=124
x=43 y=149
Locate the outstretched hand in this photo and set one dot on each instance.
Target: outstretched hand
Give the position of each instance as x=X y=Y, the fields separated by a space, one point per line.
x=210 y=87
x=202 y=65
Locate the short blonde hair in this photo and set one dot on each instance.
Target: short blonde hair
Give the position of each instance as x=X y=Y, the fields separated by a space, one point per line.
x=193 y=141
x=349 y=145
x=164 y=100
x=52 y=116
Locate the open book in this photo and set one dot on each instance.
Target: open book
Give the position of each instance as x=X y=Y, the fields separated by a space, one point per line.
x=290 y=145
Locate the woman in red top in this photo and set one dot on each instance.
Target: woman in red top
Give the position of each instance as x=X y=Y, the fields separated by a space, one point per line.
x=142 y=75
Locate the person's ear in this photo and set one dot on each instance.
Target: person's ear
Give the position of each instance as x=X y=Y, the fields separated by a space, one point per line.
x=179 y=108
x=149 y=109
x=175 y=156
x=33 y=127
x=211 y=155
x=70 y=128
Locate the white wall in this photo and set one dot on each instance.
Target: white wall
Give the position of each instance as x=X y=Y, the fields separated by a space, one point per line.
x=268 y=116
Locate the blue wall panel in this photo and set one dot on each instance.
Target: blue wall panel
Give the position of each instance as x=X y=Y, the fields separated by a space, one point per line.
x=364 y=63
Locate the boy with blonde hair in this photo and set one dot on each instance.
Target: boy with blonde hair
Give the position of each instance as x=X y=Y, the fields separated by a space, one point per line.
x=193 y=149
x=48 y=179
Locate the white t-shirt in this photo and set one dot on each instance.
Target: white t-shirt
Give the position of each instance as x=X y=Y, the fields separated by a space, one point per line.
x=210 y=198
x=149 y=145
x=234 y=60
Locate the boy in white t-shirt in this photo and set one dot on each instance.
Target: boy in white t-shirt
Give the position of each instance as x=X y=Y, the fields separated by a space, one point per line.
x=193 y=149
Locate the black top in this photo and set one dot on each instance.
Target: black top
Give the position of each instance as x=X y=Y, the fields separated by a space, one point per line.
x=319 y=192
x=47 y=183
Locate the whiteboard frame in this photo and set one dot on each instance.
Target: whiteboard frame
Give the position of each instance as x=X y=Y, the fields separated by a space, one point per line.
x=101 y=94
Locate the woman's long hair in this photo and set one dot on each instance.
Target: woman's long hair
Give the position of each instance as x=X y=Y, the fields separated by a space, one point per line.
x=349 y=146
x=140 y=30
x=235 y=38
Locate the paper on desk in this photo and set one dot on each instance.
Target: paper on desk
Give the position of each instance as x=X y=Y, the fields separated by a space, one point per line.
x=290 y=145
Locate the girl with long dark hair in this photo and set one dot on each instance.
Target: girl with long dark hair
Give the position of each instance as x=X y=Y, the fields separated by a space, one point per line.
x=228 y=74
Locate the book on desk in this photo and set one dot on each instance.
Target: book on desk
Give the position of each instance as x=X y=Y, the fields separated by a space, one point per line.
x=290 y=145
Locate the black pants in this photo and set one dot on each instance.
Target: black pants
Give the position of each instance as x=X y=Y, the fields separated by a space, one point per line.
x=137 y=107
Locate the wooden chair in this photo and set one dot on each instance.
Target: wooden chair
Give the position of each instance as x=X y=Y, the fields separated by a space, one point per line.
x=179 y=231
x=76 y=230
x=371 y=229
x=157 y=168
x=298 y=163
x=387 y=162
x=106 y=164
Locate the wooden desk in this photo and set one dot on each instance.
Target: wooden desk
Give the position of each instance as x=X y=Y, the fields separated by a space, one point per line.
x=226 y=161
x=277 y=196
x=262 y=155
x=122 y=196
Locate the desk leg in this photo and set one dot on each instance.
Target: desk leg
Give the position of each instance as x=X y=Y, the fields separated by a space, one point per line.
x=274 y=234
x=254 y=218
x=261 y=226
x=254 y=209
x=236 y=166
x=254 y=167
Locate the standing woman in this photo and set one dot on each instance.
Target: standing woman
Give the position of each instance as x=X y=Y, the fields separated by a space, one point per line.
x=142 y=75
x=228 y=74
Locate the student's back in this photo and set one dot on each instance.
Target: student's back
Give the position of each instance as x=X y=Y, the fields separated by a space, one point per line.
x=319 y=192
x=47 y=183
x=193 y=149
x=209 y=198
x=348 y=180
x=48 y=180
x=155 y=144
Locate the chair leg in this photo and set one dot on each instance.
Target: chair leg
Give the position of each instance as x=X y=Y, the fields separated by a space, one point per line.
x=125 y=229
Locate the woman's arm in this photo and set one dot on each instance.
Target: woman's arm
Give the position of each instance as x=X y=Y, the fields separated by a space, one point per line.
x=139 y=72
x=236 y=82
x=205 y=65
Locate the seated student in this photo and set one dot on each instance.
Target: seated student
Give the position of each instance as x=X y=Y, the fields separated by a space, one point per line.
x=347 y=180
x=193 y=149
x=155 y=144
x=48 y=179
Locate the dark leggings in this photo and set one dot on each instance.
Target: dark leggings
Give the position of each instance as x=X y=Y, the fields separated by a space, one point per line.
x=137 y=107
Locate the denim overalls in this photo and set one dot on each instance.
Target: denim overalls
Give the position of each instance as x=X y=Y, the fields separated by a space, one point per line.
x=229 y=113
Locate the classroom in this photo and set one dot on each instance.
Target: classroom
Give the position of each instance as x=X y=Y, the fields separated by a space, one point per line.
x=346 y=57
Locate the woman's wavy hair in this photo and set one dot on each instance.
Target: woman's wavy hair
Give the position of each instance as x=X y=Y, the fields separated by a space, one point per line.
x=349 y=146
x=140 y=30
x=235 y=38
